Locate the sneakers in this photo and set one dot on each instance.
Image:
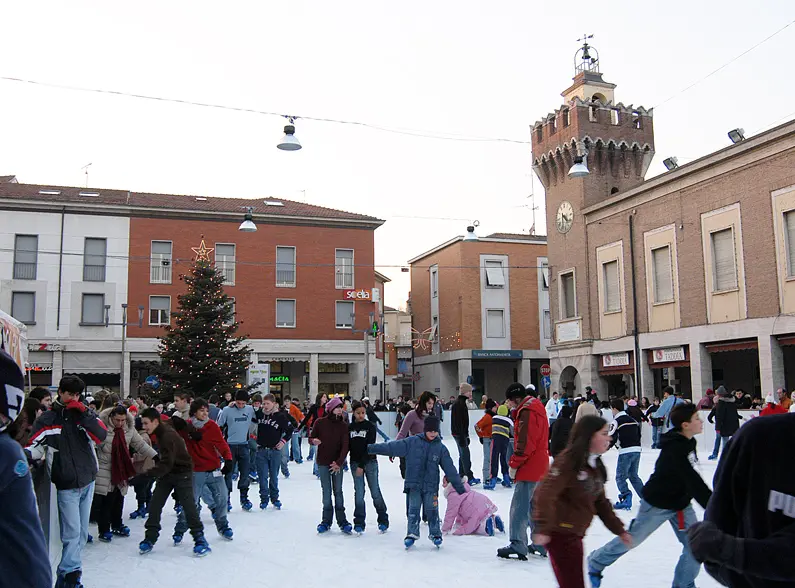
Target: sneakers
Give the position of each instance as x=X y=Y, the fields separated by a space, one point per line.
x=490 y=527
x=277 y=504
x=490 y=484
x=177 y=537
x=358 y=529
x=510 y=553
x=140 y=513
x=382 y=528
x=437 y=541
x=409 y=542
x=106 y=537
x=624 y=502
x=322 y=528
x=263 y=505
x=123 y=531
x=499 y=524
x=595 y=577
x=347 y=528
x=474 y=481
x=246 y=505
x=145 y=547
x=227 y=534
x=201 y=548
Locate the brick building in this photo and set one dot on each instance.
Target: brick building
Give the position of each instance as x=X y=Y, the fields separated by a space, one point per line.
x=685 y=279
x=288 y=279
x=483 y=306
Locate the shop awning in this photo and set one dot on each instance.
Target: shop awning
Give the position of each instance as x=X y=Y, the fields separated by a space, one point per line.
x=724 y=346
x=342 y=357
x=86 y=362
x=786 y=340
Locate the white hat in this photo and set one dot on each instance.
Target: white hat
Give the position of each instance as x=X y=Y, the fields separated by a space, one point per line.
x=365 y=399
x=771 y=398
x=530 y=387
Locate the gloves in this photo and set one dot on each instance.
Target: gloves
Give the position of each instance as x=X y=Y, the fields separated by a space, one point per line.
x=76 y=405
x=710 y=544
x=179 y=423
x=196 y=434
x=512 y=473
x=229 y=465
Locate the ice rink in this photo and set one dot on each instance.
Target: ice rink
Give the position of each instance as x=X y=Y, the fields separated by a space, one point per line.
x=276 y=548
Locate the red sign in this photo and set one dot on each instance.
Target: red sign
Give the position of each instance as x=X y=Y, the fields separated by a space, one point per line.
x=546 y=370
x=362 y=294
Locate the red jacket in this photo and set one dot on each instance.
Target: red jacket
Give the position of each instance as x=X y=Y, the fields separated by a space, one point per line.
x=530 y=458
x=772 y=408
x=207 y=453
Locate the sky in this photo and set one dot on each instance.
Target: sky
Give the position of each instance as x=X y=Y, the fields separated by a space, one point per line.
x=463 y=68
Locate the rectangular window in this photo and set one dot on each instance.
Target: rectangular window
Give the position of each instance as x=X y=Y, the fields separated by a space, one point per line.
x=724 y=270
x=93 y=309
x=343 y=269
x=611 y=286
x=285 y=313
x=615 y=117
x=159 y=310
x=434 y=330
x=545 y=276
x=568 y=297
x=26 y=253
x=225 y=261
x=232 y=318
x=434 y=282
x=285 y=267
x=789 y=227
x=553 y=126
x=160 y=263
x=566 y=117
x=23 y=307
x=547 y=325
x=662 y=275
x=495 y=324
x=94 y=258
x=636 y=120
x=404 y=366
x=495 y=278
x=344 y=314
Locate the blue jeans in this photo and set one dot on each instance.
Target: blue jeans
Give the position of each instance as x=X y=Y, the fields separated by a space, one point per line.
x=74 y=509
x=430 y=502
x=295 y=447
x=268 y=462
x=212 y=489
x=649 y=519
x=332 y=483
x=521 y=516
x=370 y=475
x=241 y=457
x=627 y=469
x=384 y=436
x=716 y=448
x=285 y=459
x=311 y=452
x=486 y=458
x=655 y=437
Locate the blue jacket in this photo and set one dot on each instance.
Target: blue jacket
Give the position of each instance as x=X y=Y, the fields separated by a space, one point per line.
x=664 y=412
x=423 y=460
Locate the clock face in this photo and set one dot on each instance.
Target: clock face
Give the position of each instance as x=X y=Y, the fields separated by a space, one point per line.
x=564 y=217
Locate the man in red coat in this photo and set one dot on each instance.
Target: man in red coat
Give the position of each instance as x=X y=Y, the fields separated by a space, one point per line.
x=206 y=445
x=529 y=464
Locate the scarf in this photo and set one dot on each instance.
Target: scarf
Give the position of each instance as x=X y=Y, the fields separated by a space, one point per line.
x=121 y=465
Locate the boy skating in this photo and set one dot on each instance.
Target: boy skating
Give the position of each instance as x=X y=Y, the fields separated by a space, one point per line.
x=273 y=435
x=625 y=433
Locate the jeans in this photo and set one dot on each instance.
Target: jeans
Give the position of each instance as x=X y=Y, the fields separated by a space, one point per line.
x=311 y=453
x=240 y=457
x=285 y=451
x=211 y=487
x=182 y=486
x=716 y=448
x=649 y=520
x=430 y=502
x=74 y=508
x=370 y=475
x=486 y=458
x=295 y=448
x=464 y=459
x=268 y=462
x=520 y=516
x=627 y=468
x=499 y=456
x=109 y=510
x=252 y=455
x=655 y=437
x=332 y=483
x=384 y=436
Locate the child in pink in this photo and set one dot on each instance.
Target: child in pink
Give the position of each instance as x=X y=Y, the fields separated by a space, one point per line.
x=469 y=514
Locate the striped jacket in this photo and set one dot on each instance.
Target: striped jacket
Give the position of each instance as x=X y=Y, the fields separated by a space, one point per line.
x=501 y=425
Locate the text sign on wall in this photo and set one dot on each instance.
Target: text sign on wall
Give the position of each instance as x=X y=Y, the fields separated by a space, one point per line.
x=568 y=331
x=615 y=359
x=668 y=354
x=362 y=294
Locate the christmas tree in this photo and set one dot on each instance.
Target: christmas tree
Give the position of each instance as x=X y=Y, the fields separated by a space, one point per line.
x=201 y=352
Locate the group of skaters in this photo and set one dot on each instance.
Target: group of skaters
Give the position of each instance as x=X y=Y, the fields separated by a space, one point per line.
x=200 y=449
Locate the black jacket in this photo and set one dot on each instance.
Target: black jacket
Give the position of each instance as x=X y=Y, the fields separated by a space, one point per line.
x=273 y=428
x=559 y=435
x=362 y=434
x=371 y=416
x=727 y=420
x=754 y=494
x=625 y=432
x=675 y=482
x=459 y=418
x=655 y=422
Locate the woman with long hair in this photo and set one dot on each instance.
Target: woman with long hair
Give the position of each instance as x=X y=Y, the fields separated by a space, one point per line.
x=315 y=412
x=414 y=422
x=20 y=429
x=572 y=493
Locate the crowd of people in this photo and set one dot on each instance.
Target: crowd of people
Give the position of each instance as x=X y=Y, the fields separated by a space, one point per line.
x=96 y=448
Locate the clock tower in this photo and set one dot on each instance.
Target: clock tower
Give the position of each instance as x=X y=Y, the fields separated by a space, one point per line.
x=589 y=150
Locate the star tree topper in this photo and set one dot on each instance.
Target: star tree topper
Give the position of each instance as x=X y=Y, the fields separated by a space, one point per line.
x=202 y=251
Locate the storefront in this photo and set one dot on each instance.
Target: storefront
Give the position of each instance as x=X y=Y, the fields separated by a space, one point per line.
x=787 y=344
x=493 y=371
x=617 y=370
x=735 y=365
x=670 y=366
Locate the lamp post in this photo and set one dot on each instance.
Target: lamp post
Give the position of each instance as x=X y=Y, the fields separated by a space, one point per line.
x=124 y=324
x=366 y=332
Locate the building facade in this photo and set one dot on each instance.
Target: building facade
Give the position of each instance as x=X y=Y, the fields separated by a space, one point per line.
x=478 y=313
x=398 y=354
x=302 y=284
x=684 y=279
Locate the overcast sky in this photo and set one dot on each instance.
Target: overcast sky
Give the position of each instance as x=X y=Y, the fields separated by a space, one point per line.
x=464 y=68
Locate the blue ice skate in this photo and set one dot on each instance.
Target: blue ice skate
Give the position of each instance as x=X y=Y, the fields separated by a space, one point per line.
x=177 y=537
x=106 y=537
x=382 y=528
x=123 y=531
x=499 y=524
x=277 y=504
x=595 y=577
x=145 y=547
x=409 y=542
x=201 y=548
x=490 y=527
x=323 y=528
x=437 y=541
x=358 y=529
x=347 y=529
x=624 y=502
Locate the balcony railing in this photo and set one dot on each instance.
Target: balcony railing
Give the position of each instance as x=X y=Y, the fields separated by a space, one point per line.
x=24 y=271
x=228 y=271
x=93 y=273
x=285 y=277
x=344 y=279
x=160 y=272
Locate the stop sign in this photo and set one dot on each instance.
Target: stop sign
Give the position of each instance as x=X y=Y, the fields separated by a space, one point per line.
x=546 y=370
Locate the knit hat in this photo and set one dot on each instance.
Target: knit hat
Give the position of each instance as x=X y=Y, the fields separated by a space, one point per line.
x=710 y=392
x=502 y=411
x=490 y=404
x=723 y=392
x=515 y=390
x=632 y=402
x=771 y=398
x=431 y=424
x=12 y=383
x=332 y=404
x=241 y=395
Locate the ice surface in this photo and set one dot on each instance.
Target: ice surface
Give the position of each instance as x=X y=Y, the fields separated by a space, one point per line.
x=282 y=548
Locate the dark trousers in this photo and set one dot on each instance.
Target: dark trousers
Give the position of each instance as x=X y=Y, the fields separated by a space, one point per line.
x=241 y=456
x=143 y=489
x=182 y=486
x=499 y=456
x=566 y=556
x=464 y=459
x=109 y=510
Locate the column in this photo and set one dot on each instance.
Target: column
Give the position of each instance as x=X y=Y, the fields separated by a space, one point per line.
x=526 y=373
x=464 y=370
x=700 y=370
x=57 y=367
x=313 y=377
x=646 y=379
x=771 y=364
x=125 y=380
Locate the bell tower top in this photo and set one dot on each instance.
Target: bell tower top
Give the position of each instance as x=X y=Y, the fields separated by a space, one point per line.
x=588 y=83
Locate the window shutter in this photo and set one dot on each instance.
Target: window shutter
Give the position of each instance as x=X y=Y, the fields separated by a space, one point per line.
x=789 y=226
x=612 y=291
x=495 y=324
x=285 y=266
x=663 y=276
x=285 y=313
x=161 y=248
x=494 y=274
x=723 y=261
x=23 y=306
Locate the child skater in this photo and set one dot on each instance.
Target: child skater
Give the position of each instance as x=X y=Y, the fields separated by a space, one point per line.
x=501 y=433
x=365 y=468
x=483 y=429
x=471 y=513
x=425 y=454
x=569 y=497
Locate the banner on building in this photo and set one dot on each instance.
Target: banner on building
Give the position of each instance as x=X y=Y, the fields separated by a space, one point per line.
x=13 y=338
x=615 y=359
x=668 y=354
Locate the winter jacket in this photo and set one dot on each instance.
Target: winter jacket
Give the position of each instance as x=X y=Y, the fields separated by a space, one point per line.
x=413 y=424
x=530 y=458
x=664 y=412
x=707 y=402
x=559 y=435
x=296 y=413
x=567 y=499
x=552 y=408
x=753 y=501
x=483 y=426
x=651 y=414
x=66 y=438
x=237 y=422
x=465 y=512
x=333 y=434
x=174 y=456
x=423 y=460
x=438 y=411
x=637 y=413
x=675 y=481
x=206 y=453
x=772 y=408
x=143 y=463
x=501 y=425
x=134 y=443
x=215 y=412
x=726 y=417
x=459 y=418
x=273 y=428
x=744 y=402
x=361 y=435
x=625 y=432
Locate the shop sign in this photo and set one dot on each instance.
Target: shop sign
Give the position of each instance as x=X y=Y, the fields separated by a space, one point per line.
x=497 y=354
x=39 y=367
x=615 y=359
x=258 y=375
x=45 y=347
x=363 y=294
x=668 y=354
x=280 y=378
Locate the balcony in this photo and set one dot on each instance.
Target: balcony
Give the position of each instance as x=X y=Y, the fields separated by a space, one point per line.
x=228 y=271
x=24 y=271
x=160 y=271
x=344 y=279
x=285 y=277
x=93 y=273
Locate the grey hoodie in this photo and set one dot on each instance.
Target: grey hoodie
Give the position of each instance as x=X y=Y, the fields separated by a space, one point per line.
x=237 y=423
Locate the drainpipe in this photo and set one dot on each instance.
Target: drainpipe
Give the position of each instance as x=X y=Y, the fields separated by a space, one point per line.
x=636 y=335
x=60 y=273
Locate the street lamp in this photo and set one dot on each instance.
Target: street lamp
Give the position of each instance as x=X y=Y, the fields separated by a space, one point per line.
x=471 y=236
x=289 y=142
x=671 y=163
x=737 y=135
x=124 y=324
x=579 y=169
x=248 y=226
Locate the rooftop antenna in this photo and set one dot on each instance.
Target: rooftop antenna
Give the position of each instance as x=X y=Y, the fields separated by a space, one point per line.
x=85 y=169
x=533 y=206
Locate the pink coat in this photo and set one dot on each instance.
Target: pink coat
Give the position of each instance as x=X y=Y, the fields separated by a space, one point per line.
x=466 y=512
